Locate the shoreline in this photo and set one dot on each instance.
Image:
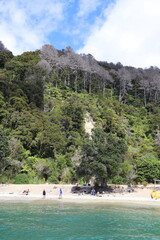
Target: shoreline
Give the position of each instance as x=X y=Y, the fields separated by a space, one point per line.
x=14 y=192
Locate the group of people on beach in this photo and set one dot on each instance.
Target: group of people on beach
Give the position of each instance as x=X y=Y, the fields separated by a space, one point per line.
x=60 y=193
x=26 y=192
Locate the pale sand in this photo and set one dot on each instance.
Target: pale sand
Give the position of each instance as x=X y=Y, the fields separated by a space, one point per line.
x=14 y=192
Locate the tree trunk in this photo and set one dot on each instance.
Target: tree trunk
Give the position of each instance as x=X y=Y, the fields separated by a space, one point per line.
x=75 y=82
x=145 y=101
x=90 y=81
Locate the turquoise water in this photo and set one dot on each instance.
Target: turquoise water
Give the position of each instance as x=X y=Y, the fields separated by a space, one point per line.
x=59 y=220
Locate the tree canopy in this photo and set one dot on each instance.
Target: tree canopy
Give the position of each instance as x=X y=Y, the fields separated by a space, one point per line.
x=45 y=98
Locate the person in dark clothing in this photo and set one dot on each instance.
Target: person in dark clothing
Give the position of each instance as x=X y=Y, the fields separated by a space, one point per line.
x=44 y=193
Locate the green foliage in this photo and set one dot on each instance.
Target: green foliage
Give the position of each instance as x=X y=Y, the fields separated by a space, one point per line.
x=4 y=151
x=19 y=104
x=101 y=156
x=44 y=168
x=66 y=176
x=21 y=178
x=20 y=63
x=3 y=108
x=74 y=110
x=3 y=179
x=49 y=141
x=118 y=180
x=53 y=179
x=42 y=125
x=5 y=56
x=126 y=170
x=147 y=168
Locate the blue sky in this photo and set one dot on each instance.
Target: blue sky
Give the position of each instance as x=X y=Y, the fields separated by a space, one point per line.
x=125 y=31
x=77 y=21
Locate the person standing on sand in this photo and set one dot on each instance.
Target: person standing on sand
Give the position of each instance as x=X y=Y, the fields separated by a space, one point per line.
x=44 y=194
x=60 y=193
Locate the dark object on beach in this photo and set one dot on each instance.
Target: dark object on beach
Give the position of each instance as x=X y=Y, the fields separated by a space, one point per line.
x=130 y=189
x=44 y=193
x=26 y=192
x=81 y=189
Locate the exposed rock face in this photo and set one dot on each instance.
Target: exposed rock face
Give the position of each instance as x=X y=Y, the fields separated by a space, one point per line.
x=89 y=124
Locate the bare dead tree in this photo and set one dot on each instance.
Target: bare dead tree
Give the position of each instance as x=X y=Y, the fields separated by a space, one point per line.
x=83 y=69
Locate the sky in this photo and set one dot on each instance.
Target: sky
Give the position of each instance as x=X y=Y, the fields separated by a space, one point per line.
x=125 y=31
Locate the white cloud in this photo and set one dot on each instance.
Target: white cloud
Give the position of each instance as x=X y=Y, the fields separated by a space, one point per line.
x=130 y=34
x=87 y=6
x=25 y=24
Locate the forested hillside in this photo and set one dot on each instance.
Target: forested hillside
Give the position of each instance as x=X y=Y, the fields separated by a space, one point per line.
x=46 y=97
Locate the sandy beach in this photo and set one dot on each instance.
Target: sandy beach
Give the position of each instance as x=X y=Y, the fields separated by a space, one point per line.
x=15 y=192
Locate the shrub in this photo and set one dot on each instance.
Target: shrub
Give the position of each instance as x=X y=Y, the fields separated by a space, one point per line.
x=3 y=179
x=53 y=179
x=118 y=180
x=21 y=178
x=144 y=184
x=148 y=168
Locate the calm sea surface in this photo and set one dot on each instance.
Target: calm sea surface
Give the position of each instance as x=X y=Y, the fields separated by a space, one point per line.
x=47 y=220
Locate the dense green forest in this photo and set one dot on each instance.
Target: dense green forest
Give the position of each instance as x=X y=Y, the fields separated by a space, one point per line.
x=46 y=97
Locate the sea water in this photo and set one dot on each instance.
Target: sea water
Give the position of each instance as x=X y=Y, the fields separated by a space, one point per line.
x=50 y=220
